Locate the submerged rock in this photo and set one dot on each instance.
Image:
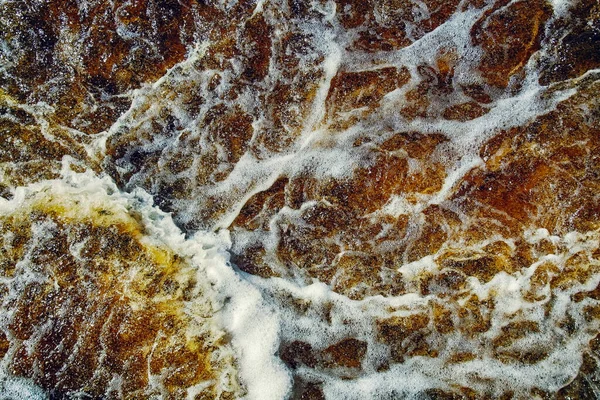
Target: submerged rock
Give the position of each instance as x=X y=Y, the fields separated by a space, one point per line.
x=412 y=187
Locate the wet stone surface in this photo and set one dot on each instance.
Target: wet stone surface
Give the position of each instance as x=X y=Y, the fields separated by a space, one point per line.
x=90 y=308
x=411 y=186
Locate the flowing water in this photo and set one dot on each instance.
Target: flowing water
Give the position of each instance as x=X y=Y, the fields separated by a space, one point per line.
x=379 y=199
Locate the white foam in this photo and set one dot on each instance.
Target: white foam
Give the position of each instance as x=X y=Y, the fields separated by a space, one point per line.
x=242 y=311
x=348 y=318
x=257 y=315
x=12 y=388
x=256 y=312
x=254 y=327
x=561 y=7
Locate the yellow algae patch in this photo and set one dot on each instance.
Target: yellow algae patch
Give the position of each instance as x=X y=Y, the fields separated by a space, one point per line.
x=94 y=305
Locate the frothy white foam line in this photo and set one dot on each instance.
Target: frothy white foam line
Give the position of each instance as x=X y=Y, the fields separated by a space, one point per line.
x=421 y=373
x=248 y=170
x=143 y=95
x=561 y=7
x=249 y=176
x=255 y=331
x=241 y=309
x=398 y=205
x=19 y=388
x=331 y=65
x=450 y=34
x=355 y=318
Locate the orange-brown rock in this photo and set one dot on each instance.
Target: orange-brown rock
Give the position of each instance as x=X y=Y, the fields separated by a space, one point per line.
x=509 y=34
x=434 y=186
x=92 y=309
x=30 y=152
x=386 y=25
x=464 y=112
x=347 y=353
x=362 y=90
x=81 y=59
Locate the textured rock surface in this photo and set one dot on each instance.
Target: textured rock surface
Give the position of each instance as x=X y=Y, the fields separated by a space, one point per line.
x=92 y=307
x=433 y=166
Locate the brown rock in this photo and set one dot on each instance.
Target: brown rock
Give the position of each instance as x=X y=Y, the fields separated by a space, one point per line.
x=509 y=34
